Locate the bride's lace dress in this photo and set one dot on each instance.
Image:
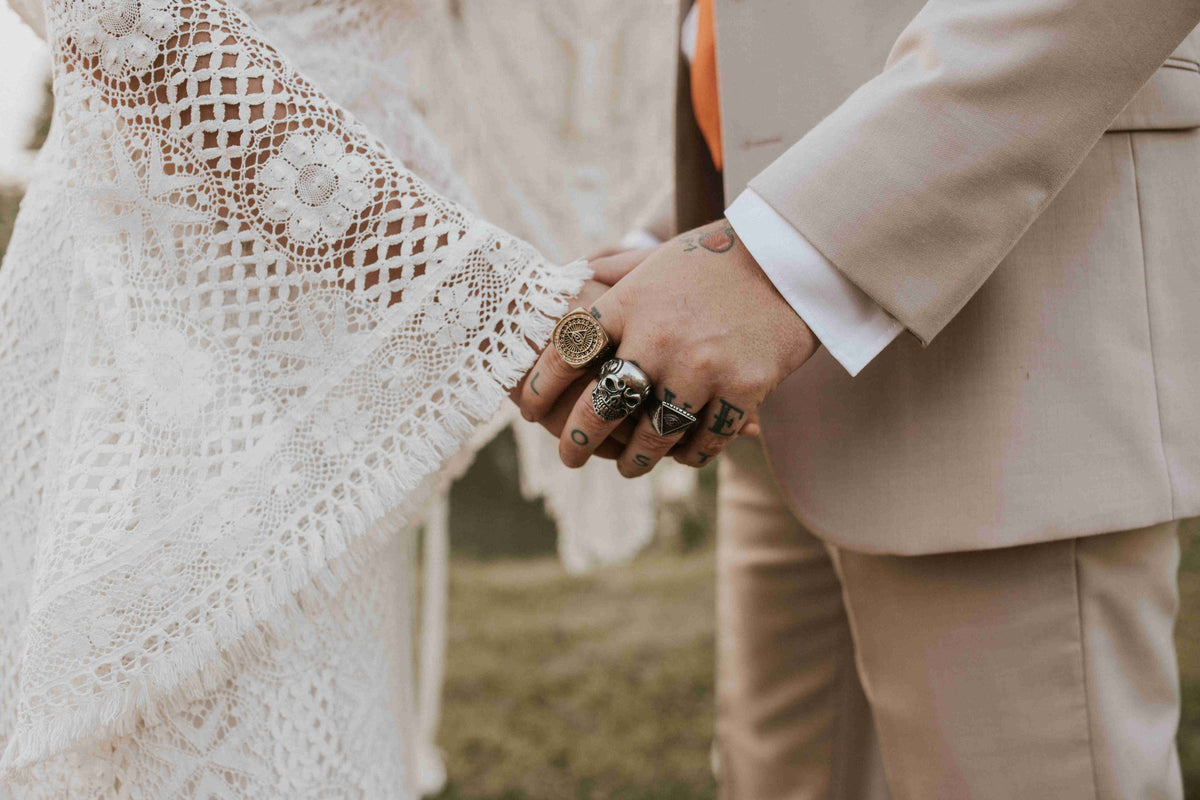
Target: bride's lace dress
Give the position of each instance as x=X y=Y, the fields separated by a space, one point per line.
x=238 y=337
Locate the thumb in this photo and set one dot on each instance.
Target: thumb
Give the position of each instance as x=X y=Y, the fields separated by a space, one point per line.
x=610 y=269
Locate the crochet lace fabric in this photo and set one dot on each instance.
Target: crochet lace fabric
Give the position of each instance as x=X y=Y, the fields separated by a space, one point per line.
x=235 y=331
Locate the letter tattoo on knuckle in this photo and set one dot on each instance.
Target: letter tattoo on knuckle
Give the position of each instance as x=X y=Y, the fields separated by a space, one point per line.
x=533 y=383
x=642 y=460
x=579 y=437
x=727 y=418
x=595 y=312
x=669 y=397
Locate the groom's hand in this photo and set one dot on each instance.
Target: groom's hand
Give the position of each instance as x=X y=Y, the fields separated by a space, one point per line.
x=707 y=326
x=608 y=267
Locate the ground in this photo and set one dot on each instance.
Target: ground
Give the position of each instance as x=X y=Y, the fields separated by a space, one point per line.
x=595 y=687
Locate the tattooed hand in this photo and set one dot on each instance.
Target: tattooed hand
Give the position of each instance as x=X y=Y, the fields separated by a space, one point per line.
x=608 y=268
x=708 y=327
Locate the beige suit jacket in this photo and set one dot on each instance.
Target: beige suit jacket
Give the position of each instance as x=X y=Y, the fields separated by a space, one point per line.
x=1018 y=183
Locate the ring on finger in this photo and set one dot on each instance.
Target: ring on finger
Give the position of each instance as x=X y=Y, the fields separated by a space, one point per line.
x=668 y=419
x=622 y=387
x=579 y=339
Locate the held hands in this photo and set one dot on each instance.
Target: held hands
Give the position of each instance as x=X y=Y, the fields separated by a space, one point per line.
x=703 y=322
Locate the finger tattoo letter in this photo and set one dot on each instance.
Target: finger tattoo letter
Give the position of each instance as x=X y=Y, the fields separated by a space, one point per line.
x=727 y=417
x=669 y=397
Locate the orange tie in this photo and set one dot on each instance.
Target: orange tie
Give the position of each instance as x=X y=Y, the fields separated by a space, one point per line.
x=706 y=105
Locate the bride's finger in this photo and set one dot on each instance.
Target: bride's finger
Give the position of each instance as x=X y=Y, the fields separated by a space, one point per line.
x=611 y=269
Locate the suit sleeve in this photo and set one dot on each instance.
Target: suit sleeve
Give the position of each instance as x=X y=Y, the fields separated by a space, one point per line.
x=920 y=183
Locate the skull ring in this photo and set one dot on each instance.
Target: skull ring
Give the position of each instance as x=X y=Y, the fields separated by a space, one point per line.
x=622 y=388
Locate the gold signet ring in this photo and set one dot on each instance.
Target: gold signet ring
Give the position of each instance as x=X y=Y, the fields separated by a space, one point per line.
x=579 y=339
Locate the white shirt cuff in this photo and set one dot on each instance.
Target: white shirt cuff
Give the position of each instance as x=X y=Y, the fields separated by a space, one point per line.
x=851 y=326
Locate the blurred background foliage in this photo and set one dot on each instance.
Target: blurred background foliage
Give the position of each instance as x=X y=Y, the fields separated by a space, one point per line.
x=601 y=686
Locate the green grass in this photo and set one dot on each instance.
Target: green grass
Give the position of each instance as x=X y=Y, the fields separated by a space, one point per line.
x=595 y=687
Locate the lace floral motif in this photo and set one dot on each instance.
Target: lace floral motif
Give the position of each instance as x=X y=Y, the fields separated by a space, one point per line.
x=340 y=426
x=236 y=335
x=167 y=375
x=452 y=315
x=315 y=186
x=127 y=35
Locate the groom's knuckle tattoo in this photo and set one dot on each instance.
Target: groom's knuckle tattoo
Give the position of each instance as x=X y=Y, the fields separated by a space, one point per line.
x=727 y=419
x=595 y=312
x=676 y=400
x=642 y=460
x=579 y=437
x=533 y=383
x=671 y=397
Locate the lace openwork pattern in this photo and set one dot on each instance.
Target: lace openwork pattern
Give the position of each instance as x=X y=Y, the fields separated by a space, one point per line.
x=235 y=331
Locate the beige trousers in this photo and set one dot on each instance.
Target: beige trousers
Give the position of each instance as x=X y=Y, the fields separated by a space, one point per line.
x=1042 y=671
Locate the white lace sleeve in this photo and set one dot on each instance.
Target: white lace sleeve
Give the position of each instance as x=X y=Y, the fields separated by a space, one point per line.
x=234 y=332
